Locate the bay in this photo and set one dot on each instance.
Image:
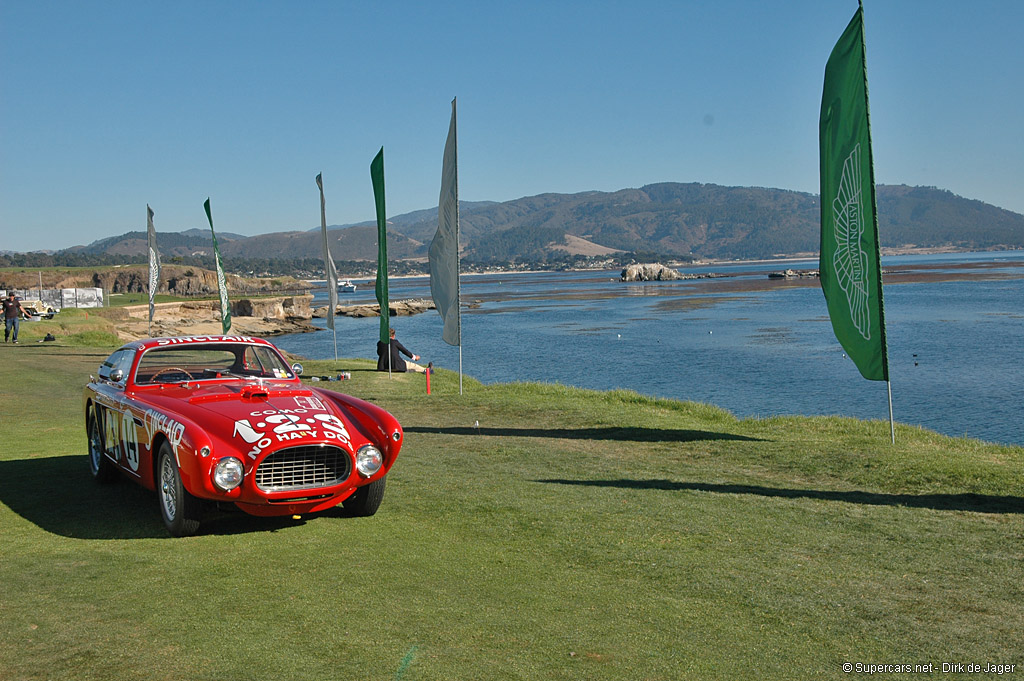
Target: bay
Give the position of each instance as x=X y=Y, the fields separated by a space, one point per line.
x=756 y=346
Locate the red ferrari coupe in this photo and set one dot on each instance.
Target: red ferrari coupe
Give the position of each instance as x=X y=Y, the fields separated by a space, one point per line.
x=225 y=419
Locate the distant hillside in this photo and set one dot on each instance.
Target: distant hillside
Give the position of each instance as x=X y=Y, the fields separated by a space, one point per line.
x=170 y=243
x=671 y=219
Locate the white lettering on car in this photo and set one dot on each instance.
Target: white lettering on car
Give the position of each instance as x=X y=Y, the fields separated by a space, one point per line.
x=130 y=440
x=287 y=426
x=204 y=339
x=162 y=423
x=269 y=412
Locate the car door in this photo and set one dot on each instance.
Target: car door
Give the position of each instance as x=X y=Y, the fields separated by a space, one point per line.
x=119 y=422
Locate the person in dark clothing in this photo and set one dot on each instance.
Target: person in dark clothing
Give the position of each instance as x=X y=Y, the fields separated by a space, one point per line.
x=397 y=363
x=13 y=312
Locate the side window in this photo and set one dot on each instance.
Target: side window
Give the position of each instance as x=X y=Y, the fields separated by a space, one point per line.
x=120 y=360
x=108 y=364
x=124 y=363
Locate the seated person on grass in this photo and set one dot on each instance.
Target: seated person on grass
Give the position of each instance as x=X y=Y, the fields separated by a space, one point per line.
x=397 y=363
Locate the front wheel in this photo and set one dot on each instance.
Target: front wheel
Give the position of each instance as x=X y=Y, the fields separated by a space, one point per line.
x=366 y=500
x=101 y=467
x=181 y=511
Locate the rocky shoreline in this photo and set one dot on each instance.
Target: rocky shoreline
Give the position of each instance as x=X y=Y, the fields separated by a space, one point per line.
x=396 y=308
x=249 y=317
x=264 y=317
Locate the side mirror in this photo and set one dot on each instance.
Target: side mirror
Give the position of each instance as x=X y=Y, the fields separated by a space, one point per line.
x=297 y=369
x=116 y=375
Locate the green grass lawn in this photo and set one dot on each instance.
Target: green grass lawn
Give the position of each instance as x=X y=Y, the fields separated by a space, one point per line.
x=572 y=535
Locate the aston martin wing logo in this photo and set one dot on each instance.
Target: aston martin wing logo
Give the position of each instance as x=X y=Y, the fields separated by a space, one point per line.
x=154 y=280
x=850 y=258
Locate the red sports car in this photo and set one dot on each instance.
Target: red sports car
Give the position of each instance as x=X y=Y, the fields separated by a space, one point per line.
x=222 y=419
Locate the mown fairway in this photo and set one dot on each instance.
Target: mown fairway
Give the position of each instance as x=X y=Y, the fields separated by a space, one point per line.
x=573 y=535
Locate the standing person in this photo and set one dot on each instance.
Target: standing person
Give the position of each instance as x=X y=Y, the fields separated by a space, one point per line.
x=12 y=316
x=397 y=363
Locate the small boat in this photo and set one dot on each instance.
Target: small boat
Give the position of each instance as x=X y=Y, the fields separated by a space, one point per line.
x=346 y=286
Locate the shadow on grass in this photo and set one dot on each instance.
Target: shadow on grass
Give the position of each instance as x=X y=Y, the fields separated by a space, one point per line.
x=978 y=503
x=58 y=495
x=629 y=434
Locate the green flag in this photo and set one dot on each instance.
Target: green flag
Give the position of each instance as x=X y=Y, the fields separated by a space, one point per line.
x=849 y=263
x=222 y=284
x=377 y=177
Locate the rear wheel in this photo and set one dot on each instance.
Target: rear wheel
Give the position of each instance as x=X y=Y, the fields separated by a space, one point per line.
x=102 y=468
x=181 y=511
x=366 y=499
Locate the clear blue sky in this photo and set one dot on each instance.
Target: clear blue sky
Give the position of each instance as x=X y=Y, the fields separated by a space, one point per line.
x=108 y=106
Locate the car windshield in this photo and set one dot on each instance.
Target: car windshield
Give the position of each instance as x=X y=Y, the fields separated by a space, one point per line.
x=177 y=363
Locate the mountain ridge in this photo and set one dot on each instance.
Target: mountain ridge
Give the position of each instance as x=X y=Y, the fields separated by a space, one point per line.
x=674 y=220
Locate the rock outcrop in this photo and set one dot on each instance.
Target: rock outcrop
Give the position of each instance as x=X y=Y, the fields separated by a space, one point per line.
x=188 y=281
x=650 y=272
x=793 y=274
x=290 y=307
x=250 y=317
x=396 y=308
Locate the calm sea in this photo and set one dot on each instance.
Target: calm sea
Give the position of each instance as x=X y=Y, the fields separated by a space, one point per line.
x=754 y=346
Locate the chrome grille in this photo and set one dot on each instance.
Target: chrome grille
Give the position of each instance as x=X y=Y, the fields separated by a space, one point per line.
x=306 y=467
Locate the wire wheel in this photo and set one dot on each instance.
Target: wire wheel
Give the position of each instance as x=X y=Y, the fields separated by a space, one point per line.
x=181 y=511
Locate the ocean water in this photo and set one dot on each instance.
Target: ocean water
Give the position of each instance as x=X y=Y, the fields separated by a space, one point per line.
x=754 y=346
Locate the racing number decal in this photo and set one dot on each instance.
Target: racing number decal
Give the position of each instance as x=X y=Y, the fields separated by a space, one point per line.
x=111 y=436
x=289 y=423
x=120 y=437
x=333 y=424
x=130 y=440
x=287 y=427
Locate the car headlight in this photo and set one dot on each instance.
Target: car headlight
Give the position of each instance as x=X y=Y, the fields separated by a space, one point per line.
x=228 y=472
x=368 y=460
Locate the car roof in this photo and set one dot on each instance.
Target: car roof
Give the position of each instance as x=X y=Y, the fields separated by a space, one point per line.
x=150 y=343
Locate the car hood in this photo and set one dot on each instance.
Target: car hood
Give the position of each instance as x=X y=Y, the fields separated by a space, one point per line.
x=265 y=413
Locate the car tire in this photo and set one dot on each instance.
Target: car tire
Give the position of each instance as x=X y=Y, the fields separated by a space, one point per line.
x=180 y=510
x=366 y=500
x=102 y=468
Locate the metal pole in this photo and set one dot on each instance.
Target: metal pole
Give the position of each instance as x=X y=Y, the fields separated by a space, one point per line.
x=892 y=424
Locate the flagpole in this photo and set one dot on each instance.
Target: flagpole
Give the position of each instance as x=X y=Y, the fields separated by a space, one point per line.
x=458 y=259
x=850 y=257
x=874 y=220
x=892 y=424
x=377 y=179
x=329 y=273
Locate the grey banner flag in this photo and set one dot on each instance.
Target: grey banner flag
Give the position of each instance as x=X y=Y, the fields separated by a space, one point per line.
x=154 y=262
x=444 y=249
x=329 y=269
x=222 y=283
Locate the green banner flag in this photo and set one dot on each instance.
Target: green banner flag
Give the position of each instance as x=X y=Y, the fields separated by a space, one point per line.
x=849 y=263
x=222 y=284
x=377 y=177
